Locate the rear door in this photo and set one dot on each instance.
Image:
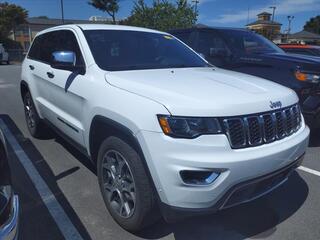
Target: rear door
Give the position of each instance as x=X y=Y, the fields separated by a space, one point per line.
x=37 y=66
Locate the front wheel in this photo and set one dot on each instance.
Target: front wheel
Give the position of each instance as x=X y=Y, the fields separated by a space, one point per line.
x=35 y=125
x=124 y=184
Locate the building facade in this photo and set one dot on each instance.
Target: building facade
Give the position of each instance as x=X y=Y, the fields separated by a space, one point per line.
x=265 y=26
x=25 y=33
x=304 y=37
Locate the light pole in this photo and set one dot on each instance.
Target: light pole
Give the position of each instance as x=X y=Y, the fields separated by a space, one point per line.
x=290 y=18
x=62 y=14
x=273 y=12
x=196 y=6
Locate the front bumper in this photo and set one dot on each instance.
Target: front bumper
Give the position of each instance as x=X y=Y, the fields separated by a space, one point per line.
x=166 y=157
x=240 y=193
x=9 y=231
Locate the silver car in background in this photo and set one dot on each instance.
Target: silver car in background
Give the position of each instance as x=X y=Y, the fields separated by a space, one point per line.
x=4 y=55
x=9 y=202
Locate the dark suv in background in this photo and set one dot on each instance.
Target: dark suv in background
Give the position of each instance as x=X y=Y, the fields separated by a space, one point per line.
x=247 y=52
x=309 y=50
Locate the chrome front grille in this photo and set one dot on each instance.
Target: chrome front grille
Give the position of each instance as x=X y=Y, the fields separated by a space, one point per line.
x=258 y=129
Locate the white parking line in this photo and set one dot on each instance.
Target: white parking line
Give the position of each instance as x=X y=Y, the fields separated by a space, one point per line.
x=2 y=85
x=63 y=222
x=309 y=170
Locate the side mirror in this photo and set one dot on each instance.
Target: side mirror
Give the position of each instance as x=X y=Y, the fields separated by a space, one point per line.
x=65 y=60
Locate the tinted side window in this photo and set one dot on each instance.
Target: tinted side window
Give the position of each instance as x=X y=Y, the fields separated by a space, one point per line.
x=34 y=51
x=185 y=37
x=45 y=44
x=68 y=42
x=48 y=42
x=246 y=42
x=42 y=47
x=211 y=44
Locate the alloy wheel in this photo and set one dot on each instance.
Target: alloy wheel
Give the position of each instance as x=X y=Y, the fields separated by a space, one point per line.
x=118 y=184
x=30 y=113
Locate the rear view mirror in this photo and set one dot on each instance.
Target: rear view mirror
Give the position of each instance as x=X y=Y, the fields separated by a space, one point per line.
x=65 y=60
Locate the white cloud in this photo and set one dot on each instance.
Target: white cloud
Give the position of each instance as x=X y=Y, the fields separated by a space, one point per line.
x=284 y=7
x=201 y=1
x=205 y=1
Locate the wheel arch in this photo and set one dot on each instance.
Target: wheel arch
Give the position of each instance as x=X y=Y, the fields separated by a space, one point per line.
x=102 y=127
x=24 y=88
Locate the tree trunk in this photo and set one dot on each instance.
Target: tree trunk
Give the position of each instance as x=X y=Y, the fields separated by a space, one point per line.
x=113 y=18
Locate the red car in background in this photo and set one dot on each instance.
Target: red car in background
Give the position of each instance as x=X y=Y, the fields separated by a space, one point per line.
x=310 y=50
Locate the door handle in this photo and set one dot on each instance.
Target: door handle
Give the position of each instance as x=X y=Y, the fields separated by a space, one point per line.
x=31 y=67
x=50 y=74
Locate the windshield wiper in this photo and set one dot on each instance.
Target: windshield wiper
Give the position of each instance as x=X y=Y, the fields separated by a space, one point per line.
x=186 y=66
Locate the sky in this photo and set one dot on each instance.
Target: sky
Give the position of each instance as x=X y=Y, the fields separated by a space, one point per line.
x=230 y=13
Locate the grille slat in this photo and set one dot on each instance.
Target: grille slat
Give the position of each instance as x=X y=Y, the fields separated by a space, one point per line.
x=269 y=127
x=236 y=132
x=255 y=130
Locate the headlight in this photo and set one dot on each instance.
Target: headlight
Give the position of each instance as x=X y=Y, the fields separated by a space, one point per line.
x=188 y=127
x=307 y=77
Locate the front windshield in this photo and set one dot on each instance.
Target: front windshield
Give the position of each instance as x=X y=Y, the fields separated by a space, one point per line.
x=246 y=42
x=117 y=50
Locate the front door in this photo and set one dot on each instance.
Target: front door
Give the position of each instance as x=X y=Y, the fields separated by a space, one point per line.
x=65 y=87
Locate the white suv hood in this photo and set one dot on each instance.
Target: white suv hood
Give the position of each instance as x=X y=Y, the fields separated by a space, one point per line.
x=203 y=91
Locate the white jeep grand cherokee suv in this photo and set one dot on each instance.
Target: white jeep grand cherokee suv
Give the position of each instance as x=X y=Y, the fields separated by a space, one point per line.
x=165 y=129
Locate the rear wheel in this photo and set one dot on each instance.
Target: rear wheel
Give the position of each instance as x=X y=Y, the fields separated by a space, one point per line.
x=35 y=125
x=124 y=184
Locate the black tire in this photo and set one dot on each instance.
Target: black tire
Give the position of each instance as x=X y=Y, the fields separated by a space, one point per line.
x=8 y=62
x=144 y=213
x=35 y=125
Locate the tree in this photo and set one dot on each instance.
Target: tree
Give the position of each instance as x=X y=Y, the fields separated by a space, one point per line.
x=43 y=17
x=11 y=15
x=111 y=7
x=313 y=25
x=162 y=15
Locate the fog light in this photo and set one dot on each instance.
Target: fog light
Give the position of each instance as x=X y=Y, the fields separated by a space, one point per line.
x=198 y=177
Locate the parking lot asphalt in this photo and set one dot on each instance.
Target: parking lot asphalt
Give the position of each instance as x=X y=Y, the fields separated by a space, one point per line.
x=60 y=197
